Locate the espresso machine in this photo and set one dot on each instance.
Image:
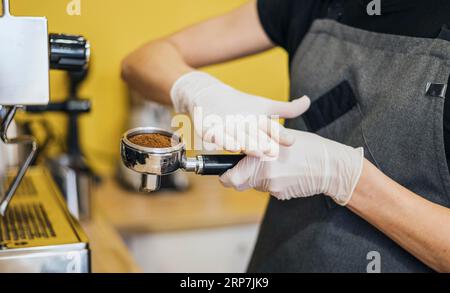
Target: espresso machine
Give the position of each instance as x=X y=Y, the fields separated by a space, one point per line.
x=37 y=231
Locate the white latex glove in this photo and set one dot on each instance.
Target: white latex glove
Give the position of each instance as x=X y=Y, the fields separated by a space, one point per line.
x=313 y=165
x=198 y=90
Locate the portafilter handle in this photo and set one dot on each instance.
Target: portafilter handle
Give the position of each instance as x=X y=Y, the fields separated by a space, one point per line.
x=201 y=165
x=211 y=164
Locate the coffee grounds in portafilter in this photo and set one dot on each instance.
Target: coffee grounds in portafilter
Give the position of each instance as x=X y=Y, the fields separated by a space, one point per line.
x=152 y=140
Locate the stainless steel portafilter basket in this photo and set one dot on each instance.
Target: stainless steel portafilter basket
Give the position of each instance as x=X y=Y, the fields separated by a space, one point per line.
x=155 y=162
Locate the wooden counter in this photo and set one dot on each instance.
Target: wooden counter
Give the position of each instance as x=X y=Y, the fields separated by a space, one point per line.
x=109 y=252
x=206 y=204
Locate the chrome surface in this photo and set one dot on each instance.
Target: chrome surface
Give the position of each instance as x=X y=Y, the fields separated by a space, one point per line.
x=71 y=258
x=177 y=144
x=75 y=186
x=201 y=165
x=24 y=139
x=24 y=62
x=38 y=234
x=190 y=164
x=155 y=162
x=151 y=161
x=150 y=183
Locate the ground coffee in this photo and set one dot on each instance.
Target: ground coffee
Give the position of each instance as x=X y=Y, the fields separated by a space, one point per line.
x=152 y=140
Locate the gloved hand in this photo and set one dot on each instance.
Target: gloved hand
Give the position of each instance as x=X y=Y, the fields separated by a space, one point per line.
x=197 y=90
x=313 y=165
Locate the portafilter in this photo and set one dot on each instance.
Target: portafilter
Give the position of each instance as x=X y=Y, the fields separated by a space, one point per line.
x=155 y=162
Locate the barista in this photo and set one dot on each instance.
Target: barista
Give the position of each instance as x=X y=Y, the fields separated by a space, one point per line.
x=363 y=173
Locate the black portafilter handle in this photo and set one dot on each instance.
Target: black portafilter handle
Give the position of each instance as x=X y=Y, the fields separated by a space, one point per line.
x=219 y=164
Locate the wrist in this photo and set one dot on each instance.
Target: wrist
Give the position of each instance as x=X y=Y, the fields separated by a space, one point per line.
x=186 y=88
x=350 y=169
x=365 y=186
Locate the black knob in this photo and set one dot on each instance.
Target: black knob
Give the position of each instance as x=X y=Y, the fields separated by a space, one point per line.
x=68 y=52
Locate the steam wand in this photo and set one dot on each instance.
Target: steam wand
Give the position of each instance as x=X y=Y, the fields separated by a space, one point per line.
x=23 y=139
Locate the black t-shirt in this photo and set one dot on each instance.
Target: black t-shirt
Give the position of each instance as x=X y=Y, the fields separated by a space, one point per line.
x=286 y=22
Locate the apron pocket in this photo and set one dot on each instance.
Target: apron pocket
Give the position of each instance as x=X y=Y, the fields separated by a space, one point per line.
x=330 y=107
x=337 y=115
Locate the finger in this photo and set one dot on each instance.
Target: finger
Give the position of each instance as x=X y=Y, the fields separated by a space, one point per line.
x=259 y=141
x=291 y=109
x=253 y=140
x=274 y=150
x=230 y=144
x=269 y=146
x=249 y=145
x=277 y=132
x=239 y=176
x=226 y=141
x=220 y=138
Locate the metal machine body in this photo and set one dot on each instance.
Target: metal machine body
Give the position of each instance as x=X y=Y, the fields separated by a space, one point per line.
x=38 y=234
x=37 y=231
x=24 y=41
x=28 y=53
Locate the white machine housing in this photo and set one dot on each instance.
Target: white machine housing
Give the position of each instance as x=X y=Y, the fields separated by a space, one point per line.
x=24 y=59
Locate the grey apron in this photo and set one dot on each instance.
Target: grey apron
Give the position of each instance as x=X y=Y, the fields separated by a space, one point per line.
x=382 y=92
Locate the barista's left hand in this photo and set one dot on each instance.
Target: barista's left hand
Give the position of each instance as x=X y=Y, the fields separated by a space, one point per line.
x=313 y=165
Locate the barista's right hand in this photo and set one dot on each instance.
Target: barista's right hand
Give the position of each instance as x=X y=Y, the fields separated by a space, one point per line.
x=227 y=112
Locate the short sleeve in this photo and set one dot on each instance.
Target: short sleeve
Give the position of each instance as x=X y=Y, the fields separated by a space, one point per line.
x=286 y=22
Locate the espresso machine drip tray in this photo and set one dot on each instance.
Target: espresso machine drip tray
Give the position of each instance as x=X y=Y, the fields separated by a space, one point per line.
x=38 y=234
x=26 y=223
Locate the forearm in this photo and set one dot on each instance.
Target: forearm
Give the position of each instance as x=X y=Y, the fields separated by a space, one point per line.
x=152 y=70
x=419 y=226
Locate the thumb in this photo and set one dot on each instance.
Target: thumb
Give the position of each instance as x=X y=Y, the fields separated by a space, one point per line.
x=239 y=176
x=291 y=109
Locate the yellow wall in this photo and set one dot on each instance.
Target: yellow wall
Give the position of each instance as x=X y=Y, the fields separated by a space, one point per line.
x=114 y=28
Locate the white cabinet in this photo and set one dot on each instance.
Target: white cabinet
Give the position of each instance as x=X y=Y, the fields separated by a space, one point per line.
x=218 y=250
